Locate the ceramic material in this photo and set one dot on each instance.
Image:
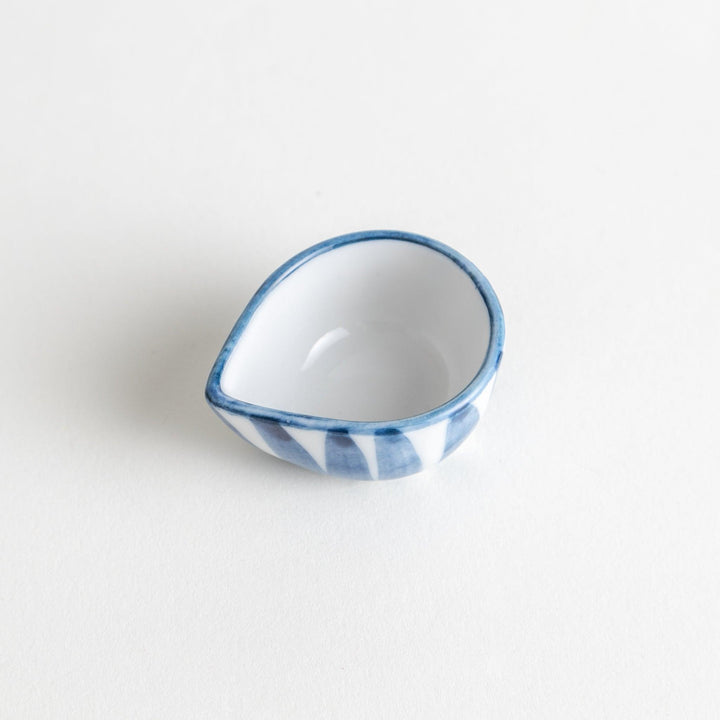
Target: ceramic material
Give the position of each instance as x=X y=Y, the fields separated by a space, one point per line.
x=371 y=355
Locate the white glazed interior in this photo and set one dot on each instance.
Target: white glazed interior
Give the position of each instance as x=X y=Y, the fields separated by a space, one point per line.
x=370 y=331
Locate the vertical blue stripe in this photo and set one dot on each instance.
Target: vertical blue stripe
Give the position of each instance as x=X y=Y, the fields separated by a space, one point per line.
x=230 y=425
x=459 y=427
x=285 y=446
x=396 y=455
x=344 y=457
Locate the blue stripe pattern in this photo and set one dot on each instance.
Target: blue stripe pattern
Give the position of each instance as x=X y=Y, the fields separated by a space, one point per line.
x=344 y=457
x=285 y=446
x=396 y=455
x=459 y=427
x=231 y=426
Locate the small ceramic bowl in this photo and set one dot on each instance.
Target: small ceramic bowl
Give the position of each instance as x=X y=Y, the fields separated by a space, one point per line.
x=371 y=355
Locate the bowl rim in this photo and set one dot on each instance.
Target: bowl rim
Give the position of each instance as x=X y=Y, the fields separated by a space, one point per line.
x=218 y=399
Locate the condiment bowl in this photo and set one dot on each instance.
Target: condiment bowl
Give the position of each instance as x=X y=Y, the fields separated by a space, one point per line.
x=370 y=355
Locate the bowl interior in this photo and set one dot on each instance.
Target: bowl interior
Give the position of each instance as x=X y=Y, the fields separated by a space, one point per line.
x=370 y=331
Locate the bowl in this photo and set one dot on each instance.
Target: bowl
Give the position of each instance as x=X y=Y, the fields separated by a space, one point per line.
x=370 y=355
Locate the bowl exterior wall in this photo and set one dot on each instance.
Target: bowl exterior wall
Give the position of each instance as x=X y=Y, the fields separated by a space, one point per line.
x=391 y=452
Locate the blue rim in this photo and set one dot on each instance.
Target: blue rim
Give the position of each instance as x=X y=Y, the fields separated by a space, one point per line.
x=217 y=398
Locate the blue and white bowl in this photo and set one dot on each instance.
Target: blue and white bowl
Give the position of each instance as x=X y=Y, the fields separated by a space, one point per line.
x=371 y=355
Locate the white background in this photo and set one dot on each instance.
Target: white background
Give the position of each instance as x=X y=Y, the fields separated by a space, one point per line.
x=158 y=160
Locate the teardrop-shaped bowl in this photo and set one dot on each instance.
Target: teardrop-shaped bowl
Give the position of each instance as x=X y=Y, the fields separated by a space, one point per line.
x=371 y=355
